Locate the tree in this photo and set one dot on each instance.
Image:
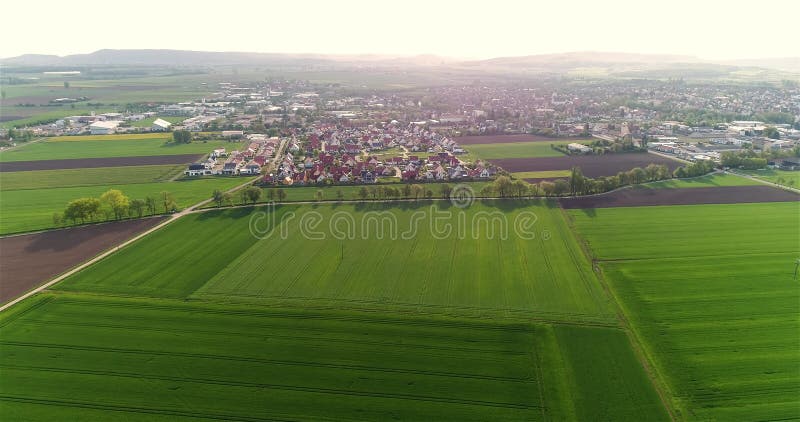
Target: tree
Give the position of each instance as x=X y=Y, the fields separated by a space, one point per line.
x=318 y=195
x=115 y=200
x=577 y=181
x=339 y=194
x=520 y=188
x=137 y=207
x=182 y=136
x=217 y=195
x=772 y=133
x=57 y=218
x=150 y=203
x=82 y=209
x=271 y=195
x=547 y=187
x=428 y=194
x=281 y=194
x=168 y=201
x=502 y=185
x=417 y=191
x=446 y=191
x=561 y=187
x=252 y=194
x=363 y=192
x=66 y=85
x=406 y=191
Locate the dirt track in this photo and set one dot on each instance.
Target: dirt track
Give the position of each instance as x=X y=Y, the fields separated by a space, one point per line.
x=27 y=261
x=82 y=163
x=642 y=197
x=591 y=165
x=503 y=139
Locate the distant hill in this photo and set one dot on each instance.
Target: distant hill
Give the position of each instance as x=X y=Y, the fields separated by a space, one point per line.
x=584 y=58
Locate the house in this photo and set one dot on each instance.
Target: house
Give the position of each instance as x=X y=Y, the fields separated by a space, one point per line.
x=198 y=169
x=788 y=163
x=230 y=167
x=579 y=148
x=251 y=168
x=104 y=128
x=160 y=125
x=232 y=133
x=367 y=176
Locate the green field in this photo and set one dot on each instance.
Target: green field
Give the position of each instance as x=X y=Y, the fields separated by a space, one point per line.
x=514 y=150
x=781 y=177
x=147 y=146
x=148 y=359
x=492 y=277
x=114 y=137
x=711 y=180
x=710 y=291
x=48 y=179
x=32 y=209
x=221 y=324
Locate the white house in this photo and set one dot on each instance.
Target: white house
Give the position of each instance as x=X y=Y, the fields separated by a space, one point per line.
x=104 y=127
x=580 y=148
x=160 y=125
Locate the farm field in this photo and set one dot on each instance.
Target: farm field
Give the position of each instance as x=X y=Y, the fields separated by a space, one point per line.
x=711 y=180
x=93 y=163
x=710 y=291
x=637 y=196
x=514 y=150
x=781 y=177
x=507 y=139
x=482 y=278
x=87 y=177
x=54 y=150
x=32 y=209
x=591 y=165
x=548 y=174
x=30 y=260
x=131 y=357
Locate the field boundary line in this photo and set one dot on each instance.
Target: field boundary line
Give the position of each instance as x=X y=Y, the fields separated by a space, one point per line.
x=640 y=351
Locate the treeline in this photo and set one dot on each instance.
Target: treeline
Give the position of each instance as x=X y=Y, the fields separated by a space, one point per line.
x=113 y=205
x=748 y=159
x=578 y=184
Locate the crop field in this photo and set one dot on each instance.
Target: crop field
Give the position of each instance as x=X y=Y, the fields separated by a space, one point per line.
x=711 y=292
x=638 y=197
x=548 y=174
x=545 y=277
x=93 y=163
x=114 y=137
x=711 y=180
x=46 y=179
x=32 y=209
x=507 y=139
x=515 y=150
x=141 y=359
x=48 y=150
x=781 y=177
x=30 y=260
x=591 y=165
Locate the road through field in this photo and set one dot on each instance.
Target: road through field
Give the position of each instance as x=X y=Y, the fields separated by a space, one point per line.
x=108 y=252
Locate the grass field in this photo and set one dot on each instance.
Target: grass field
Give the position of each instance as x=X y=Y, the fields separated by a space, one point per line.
x=781 y=177
x=141 y=359
x=48 y=179
x=702 y=182
x=710 y=291
x=147 y=146
x=514 y=150
x=114 y=137
x=32 y=209
x=546 y=279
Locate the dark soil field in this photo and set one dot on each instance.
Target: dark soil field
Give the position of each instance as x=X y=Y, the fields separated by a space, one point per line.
x=591 y=165
x=28 y=261
x=505 y=139
x=642 y=197
x=98 y=162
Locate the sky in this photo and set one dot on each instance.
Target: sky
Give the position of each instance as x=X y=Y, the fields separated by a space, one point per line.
x=707 y=29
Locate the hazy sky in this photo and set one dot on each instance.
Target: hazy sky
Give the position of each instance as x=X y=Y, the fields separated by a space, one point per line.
x=711 y=29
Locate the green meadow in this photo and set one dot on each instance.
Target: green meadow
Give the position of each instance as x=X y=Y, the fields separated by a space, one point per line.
x=515 y=150
x=710 y=290
x=147 y=146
